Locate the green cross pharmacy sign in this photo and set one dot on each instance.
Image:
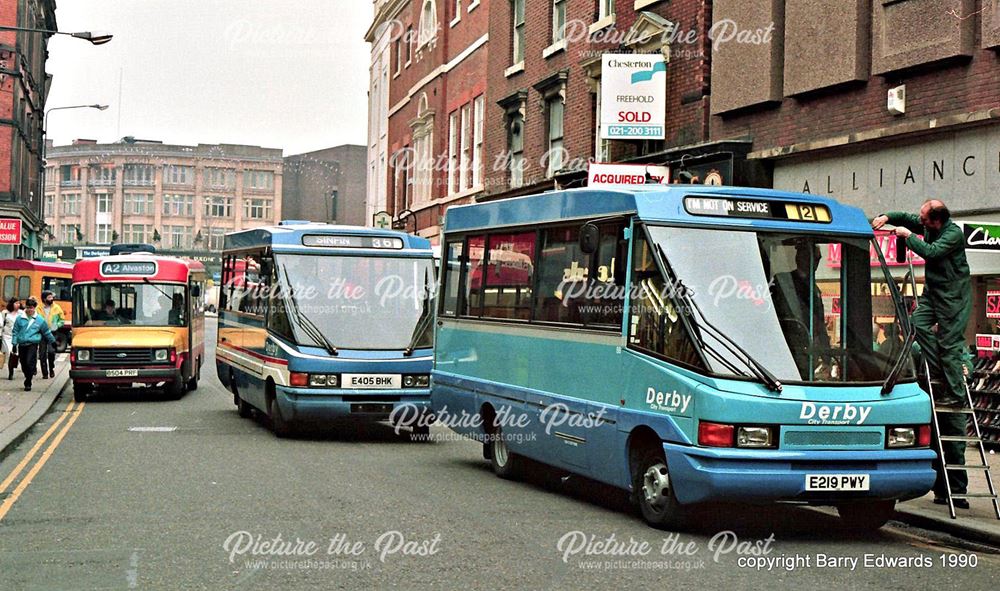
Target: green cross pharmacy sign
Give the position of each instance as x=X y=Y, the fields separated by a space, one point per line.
x=382 y=220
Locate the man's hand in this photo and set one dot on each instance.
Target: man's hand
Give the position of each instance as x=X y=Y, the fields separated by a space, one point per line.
x=880 y=221
x=902 y=232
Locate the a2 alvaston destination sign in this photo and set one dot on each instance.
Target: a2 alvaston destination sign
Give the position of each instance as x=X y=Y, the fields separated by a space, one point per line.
x=130 y=268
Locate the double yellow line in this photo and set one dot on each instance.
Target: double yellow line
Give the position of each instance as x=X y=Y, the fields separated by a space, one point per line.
x=72 y=414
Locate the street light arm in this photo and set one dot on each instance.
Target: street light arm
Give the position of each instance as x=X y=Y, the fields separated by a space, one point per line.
x=94 y=38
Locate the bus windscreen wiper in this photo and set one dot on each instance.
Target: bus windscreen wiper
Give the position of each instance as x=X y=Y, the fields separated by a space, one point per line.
x=307 y=325
x=769 y=380
x=418 y=331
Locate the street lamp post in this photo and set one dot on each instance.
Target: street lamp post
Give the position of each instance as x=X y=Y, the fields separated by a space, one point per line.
x=94 y=38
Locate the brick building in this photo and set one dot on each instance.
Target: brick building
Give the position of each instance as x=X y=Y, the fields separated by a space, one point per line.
x=326 y=186
x=813 y=101
x=24 y=86
x=545 y=81
x=436 y=107
x=179 y=198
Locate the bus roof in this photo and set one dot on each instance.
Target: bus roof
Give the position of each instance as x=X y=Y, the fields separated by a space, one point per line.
x=135 y=267
x=653 y=203
x=289 y=238
x=23 y=265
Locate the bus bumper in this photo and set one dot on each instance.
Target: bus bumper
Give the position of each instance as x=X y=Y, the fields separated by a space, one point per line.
x=312 y=404
x=144 y=376
x=743 y=475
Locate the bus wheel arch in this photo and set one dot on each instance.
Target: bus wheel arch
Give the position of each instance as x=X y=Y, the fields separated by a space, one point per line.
x=279 y=425
x=652 y=489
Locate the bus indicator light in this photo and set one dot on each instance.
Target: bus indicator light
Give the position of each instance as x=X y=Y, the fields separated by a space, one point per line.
x=760 y=437
x=715 y=434
x=298 y=379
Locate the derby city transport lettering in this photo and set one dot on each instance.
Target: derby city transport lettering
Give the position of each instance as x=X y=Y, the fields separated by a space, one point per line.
x=668 y=401
x=834 y=414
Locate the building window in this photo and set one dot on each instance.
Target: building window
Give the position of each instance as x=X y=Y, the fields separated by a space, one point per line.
x=477 y=142
x=218 y=207
x=607 y=8
x=178 y=205
x=69 y=233
x=50 y=206
x=220 y=178
x=465 y=179
x=515 y=145
x=137 y=233
x=602 y=147
x=428 y=22
x=71 y=205
x=457 y=12
x=103 y=176
x=556 y=153
x=558 y=20
x=517 y=28
x=103 y=234
x=399 y=55
x=139 y=204
x=453 y=152
x=257 y=209
x=258 y=180
x=216 y=236
x=103 y=203
x=177 y=237
x=423 y=151
x=178 y=175
x=139 y=175
x=408 y=44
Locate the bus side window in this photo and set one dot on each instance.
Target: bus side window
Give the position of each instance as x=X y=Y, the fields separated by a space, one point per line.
x=472 y=277
x=655 y=320
x=452 y=273
x=563 y=272
x=277 y=312
x=510 y=272
x=8 y=287
x=23 y=287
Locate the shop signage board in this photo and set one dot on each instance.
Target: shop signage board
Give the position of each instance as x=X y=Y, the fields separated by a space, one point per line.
x=633 y=96
x=988 y=342
x=982 y=236
x=993 y=304
x=10 y=231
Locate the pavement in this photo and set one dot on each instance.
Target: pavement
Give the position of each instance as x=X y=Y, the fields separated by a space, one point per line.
x=979 y=523
x=20 y=410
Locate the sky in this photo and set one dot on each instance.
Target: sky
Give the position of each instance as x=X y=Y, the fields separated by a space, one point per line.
x=290 y=74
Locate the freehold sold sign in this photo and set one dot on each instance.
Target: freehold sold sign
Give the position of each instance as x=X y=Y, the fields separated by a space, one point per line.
x=10 y=231
x=633 y=96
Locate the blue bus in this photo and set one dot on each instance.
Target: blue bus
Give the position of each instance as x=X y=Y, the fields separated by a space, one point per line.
x=687 y=344
x=320 y=322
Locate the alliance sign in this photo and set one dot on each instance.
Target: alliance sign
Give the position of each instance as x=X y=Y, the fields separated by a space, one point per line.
x=633 y=96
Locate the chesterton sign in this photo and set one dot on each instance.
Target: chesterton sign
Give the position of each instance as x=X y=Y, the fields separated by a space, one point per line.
x=10 y=231
x=633 y=96
x=606 y=175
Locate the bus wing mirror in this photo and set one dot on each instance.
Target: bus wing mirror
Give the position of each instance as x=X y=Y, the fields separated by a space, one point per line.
x=590 y=238
x=196 y=291
x=900 y=249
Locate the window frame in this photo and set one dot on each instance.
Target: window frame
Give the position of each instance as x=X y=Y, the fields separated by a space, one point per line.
x=517 y=29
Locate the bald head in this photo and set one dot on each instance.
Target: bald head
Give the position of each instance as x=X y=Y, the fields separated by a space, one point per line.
x=934 y=214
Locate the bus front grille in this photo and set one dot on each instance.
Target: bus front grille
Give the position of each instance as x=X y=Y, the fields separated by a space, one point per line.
x=121 y=356
x=830 y=439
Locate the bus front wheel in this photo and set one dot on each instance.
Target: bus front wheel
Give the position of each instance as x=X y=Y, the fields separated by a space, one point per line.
x=279 y=425
x=505 y=463
x=867 y=516
x=654 y=492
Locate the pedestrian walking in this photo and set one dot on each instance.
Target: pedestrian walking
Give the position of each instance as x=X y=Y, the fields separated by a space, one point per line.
x=10 y=314
x=940 y=320
x=53 y=315
x=30 y=331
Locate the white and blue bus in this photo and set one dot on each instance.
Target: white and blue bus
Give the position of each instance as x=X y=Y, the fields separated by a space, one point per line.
x=686 y=344
x=320 y=322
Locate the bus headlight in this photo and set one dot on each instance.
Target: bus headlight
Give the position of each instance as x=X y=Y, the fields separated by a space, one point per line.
x=324 y=380
x=416 y=380
x=754 y=437
x=161 y=355
x=919 y=436
x=83 y=354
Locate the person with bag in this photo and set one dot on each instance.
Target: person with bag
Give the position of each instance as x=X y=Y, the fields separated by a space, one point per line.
x=30 y=331
x=52 y=313
x=11 y=313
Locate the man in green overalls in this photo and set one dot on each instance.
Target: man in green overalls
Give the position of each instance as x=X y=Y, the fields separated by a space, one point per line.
x=940 y=320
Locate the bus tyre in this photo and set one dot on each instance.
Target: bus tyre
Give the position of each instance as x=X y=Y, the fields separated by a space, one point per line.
x=866 y=516
x=505 y=463
x=80 y=391
x=654 y=492
x=175 y=389
x=279 y=425
x=243 y=408
x=192 y=384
